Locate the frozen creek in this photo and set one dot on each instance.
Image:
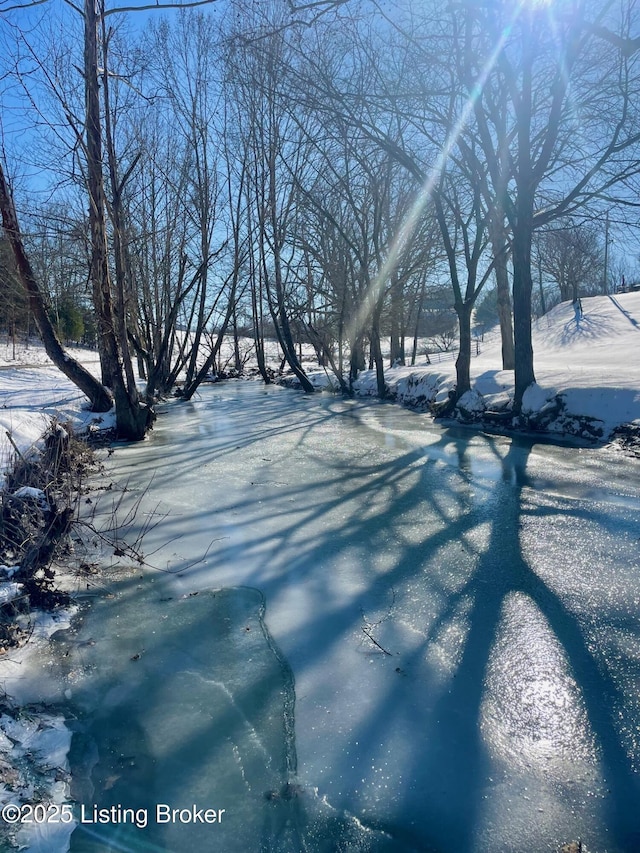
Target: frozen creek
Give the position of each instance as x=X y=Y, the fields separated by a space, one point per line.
x=404 y=638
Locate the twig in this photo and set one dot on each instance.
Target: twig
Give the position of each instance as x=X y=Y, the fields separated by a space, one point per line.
x=366 y=628
x=375 y=642
x=195 y=562
x=15 y=446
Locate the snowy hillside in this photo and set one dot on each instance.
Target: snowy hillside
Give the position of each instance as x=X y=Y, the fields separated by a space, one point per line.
x=593 y=369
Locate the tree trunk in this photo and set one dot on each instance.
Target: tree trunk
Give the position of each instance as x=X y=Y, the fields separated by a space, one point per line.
x=522 y=229
x=376 y=353
x=101 y=400
x=258 y=334
x=99 y=268
x=237 y=361
x=397 y=325
x=543 y=306
x=356 y=360
x=133 y=418
x=414 y=349
x=118 y=235
x=522 y=287
x=499 y=243
x=279 y=310
x=463 y=362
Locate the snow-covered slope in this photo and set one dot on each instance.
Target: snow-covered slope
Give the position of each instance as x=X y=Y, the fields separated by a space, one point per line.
x=591 y=369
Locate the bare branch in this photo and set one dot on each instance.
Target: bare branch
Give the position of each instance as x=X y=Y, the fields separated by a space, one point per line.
x=73 y=6
x=119 y=9
x=375 y=642
x=23 y=5
x=153 y=6
x=318 y=4
x=627 y=46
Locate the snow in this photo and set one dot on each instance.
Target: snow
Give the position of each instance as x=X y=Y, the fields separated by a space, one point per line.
x=536 y=399
x=9 y=571
x=472 y=402
x=36 y=495
x=38 y=744
x=594 y=367
x=9 y=590
x=33 y=392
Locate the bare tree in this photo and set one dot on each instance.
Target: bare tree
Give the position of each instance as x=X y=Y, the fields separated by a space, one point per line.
x=572 y=255
x=133 y=415
x=99 y=396
x=541 y=164
x=359 y=195
x=462 y=220
x=277 y=155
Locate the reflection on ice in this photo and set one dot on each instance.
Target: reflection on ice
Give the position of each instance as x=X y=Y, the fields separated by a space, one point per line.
x=537 y=719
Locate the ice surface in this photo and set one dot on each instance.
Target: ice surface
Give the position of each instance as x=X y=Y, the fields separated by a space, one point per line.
x=497 y=708
x=191 y=709
x=194 y=706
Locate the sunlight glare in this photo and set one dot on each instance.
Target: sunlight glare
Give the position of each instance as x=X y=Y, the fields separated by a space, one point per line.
x=410 y=221
x=534 y=714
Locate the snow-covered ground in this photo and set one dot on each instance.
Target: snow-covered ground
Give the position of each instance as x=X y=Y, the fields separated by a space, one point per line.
x=593 y=367
x=33 y=391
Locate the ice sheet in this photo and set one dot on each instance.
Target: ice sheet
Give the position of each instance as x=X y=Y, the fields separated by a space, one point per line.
x=459 y=613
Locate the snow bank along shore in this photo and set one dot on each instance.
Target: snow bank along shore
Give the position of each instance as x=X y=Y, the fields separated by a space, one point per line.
x=34 y=739
x=588 y=377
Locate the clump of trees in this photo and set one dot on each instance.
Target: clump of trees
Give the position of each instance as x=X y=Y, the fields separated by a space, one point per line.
x=332 y=174
x=14 y=307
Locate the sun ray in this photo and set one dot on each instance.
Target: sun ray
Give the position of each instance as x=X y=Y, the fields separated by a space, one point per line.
x=410 y=221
